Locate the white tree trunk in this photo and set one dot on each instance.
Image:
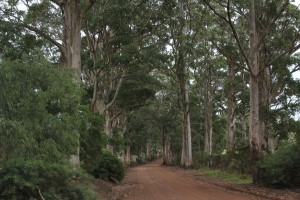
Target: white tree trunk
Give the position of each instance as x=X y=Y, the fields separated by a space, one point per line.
x=208 y=113
x=230 y=110
x=244 y=126
x=128 y=155
x=254 y=131
x=182 y=73
x=149 y=150
x=71 y=55
x=109 y=129
x=71 y=49
x=168 y=157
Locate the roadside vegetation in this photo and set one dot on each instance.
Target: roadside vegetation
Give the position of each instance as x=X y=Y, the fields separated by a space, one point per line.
x=230 y=177
x=90 y=87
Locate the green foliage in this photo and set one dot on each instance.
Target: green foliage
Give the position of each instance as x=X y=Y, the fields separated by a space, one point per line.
x=38 y=110
x=235 y=161
x=39 y=131
x=92 y=139
x=228 y=176
x=117 y=140
x=108 y=167
x=14 y=42
x=281 y=169
x=34 y=179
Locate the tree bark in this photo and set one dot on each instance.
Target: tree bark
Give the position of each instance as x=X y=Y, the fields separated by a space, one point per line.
x=208 y=113
x=168 y=157
x=182 y=73
x=109 y=129
x=231 y=109
x=71 y=48
x=71 y=41
x=149 y=150
x=128 y=155
x=254 y=132
x=265 y=107
x=244 y=125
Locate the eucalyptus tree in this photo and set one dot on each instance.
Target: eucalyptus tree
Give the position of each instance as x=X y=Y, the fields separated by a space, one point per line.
x=106 y=55
x=207 y=73
x=234 y=84
x=262 y=20
x=118 y=42
x=181 y=70
x=168 y=120
x=209 y=76
x=57 y=21
x=280 y=63
x=144 y=132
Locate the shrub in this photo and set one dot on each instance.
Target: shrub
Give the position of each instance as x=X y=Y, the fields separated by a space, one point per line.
x=237 y=160
x=108 y=167
x=92 y=139
x=140 y=160
x=39 y=110
x=281 y=169
x=36 y=179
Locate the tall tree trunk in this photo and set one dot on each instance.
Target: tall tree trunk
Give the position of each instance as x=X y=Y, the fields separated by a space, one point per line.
x=267 y=96
x=254 y=131
x=168 y=157
x=149 y=150
x=231 y=109
x=71 y=42
x=244 y=125
x=244 y=116
x=265 y=109
x=182 y=73
x=71 y=48
x=208 y=113
x=123 y=128
x=128 y=155
x=109 y=129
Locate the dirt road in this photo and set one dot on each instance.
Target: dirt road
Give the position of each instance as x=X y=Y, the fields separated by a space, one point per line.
x=154 y=182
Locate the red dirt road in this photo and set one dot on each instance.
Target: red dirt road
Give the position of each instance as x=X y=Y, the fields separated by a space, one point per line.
x=154 y=182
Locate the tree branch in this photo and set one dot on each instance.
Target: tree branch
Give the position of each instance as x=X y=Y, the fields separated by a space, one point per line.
x=229 y=21
x=87 y=7
x=214 y=11
x=289 y=51
x=239 y=10
x=40 y=193
x=58 y=2
x=268 y=29
x=221 y=51
x=117 y=91
x=235 y=34
x=44 y=35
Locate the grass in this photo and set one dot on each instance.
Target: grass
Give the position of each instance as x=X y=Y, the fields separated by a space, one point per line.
x=227 y=176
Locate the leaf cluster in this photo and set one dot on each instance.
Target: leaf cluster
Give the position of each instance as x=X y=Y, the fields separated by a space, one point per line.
x=38 y=107
x=37 y=179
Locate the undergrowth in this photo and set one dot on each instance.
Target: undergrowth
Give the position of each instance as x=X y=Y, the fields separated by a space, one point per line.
x=227 y=176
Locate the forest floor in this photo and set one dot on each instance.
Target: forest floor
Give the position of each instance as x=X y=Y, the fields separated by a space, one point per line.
x=156 y=182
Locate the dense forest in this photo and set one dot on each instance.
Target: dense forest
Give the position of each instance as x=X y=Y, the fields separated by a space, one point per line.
x=89 y=86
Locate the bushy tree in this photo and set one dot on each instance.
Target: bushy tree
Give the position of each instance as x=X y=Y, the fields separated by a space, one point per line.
x=37 y=179
x=38 y=110
x=108 y=167
x=39 y=118
x=282 y=169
